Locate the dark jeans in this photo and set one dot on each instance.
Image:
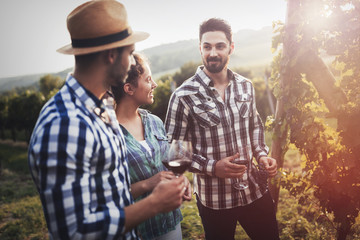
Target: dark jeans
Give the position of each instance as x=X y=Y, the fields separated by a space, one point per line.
x=258 y=219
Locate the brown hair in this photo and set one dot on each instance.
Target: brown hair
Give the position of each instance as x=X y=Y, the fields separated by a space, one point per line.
x=216 y=24
x=133 y=76
x=85 y=61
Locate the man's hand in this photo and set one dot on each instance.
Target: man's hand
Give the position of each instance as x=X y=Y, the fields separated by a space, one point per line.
x=188 y=191
x=168 y=175
x=270 y=165
x=168 y=194
x=225 y=168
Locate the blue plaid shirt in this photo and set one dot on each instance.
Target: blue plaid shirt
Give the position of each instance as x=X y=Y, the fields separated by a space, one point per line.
x=143 y=165
x=77 y=157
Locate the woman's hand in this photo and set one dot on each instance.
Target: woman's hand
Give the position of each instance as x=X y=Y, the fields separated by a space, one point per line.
x=154 y=180
x=148 y=185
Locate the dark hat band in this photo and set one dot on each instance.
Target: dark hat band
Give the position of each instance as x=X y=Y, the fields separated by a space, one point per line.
x=99 y=41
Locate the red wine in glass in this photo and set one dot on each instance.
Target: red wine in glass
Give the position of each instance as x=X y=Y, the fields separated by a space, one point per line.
x=239 y=183
x=177 y=166
x=178 y=158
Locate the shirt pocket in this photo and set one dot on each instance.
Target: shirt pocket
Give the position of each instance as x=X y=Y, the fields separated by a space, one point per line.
x=243 y=104
x=163 y=143
x=206 y=114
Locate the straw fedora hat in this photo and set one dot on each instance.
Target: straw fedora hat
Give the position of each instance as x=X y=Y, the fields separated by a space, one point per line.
x=99 y=25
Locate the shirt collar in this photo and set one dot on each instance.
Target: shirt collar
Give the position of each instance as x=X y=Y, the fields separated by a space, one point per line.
x=91 y=102
x=207 y=80
x=200 y=80
x=144 y=115
x=204 y=78
x=85 y=96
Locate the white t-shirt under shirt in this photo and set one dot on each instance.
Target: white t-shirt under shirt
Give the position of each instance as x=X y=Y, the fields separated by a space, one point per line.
x=146 y=146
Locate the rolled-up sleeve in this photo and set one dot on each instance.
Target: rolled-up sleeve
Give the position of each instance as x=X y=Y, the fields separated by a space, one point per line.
x=60 y=157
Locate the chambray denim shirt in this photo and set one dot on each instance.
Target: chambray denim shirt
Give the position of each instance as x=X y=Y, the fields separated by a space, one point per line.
x=143 y=165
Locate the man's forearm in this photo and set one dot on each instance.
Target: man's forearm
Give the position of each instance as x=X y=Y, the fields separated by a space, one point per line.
x=139 y=212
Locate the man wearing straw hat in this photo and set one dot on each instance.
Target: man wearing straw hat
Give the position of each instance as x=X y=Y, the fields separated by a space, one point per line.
x=77 y=153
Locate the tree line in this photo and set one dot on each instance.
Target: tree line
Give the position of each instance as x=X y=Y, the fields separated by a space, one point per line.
x=20 y=107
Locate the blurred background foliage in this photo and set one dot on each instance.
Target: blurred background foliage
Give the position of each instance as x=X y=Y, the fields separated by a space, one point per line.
x=319 y=181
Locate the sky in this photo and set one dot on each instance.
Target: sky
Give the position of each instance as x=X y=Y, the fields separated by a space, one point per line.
x=32 y=31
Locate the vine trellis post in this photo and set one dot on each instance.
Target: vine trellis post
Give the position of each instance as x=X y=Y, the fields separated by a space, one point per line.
x=309 y=63
x=301 y=60
x=280 y=128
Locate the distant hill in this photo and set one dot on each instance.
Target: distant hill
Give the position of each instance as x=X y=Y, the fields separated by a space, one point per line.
x=27 y=80
x=252 y=48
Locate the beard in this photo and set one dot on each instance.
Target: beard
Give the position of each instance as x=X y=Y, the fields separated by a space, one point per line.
x=117 y=73
x=216 y=65
x=120 y=80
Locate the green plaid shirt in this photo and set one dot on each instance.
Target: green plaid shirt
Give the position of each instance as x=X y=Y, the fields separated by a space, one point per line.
x=143 y=165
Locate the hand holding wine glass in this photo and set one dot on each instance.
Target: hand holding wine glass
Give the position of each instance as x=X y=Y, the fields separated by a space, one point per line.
x=178 y=158
x=243 y=159
x=241 y=183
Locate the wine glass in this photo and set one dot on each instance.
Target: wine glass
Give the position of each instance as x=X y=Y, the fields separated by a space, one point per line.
x=243 y=159
x=178 y=158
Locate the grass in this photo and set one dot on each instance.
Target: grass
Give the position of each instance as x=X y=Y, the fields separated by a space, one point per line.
x=191 y=225
x=15 y=178
x=21 y=215
x=22 y=219
x=295 y=221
